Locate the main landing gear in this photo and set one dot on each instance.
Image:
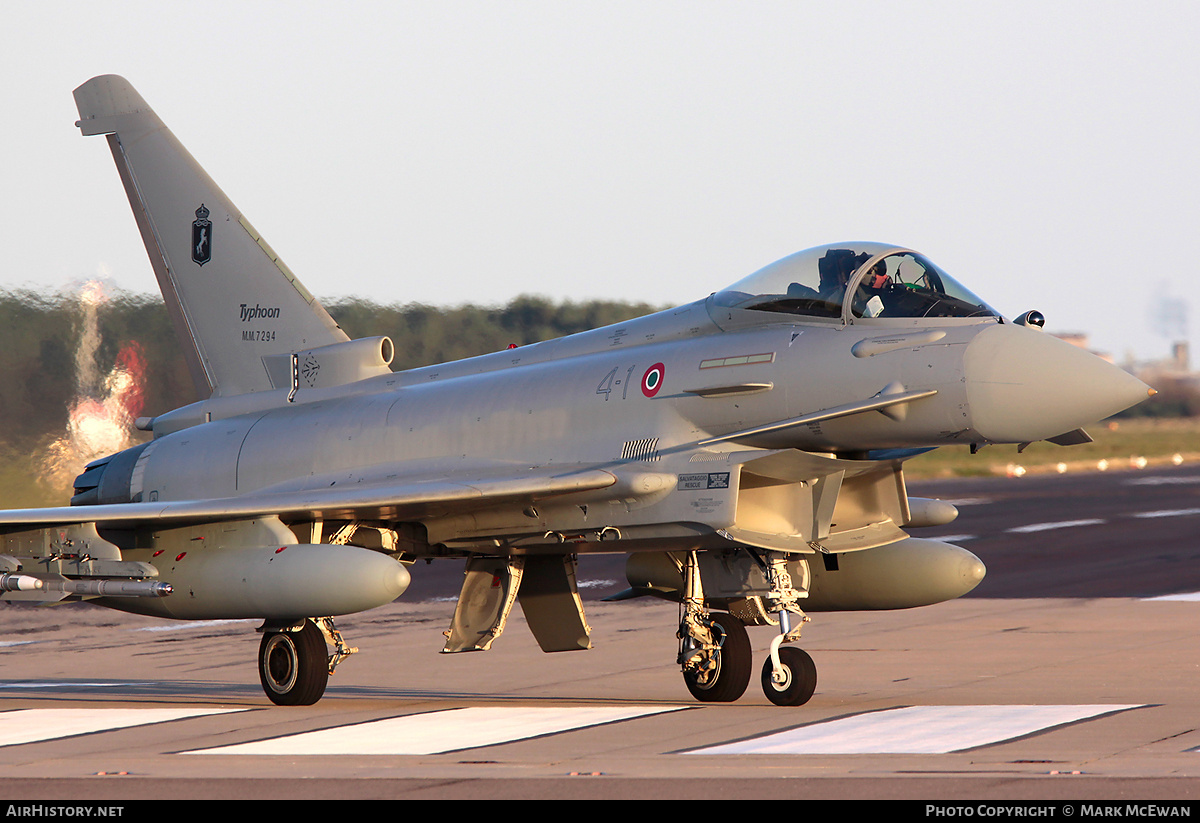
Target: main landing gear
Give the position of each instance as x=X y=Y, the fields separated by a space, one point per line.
x=293 y=665
x=714 y=649
x=720 y=674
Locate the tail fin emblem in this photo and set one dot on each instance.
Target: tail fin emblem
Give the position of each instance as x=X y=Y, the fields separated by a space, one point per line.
x=201 y=236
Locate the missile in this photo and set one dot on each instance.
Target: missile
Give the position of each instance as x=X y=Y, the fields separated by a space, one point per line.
x=93 y=587
x=109 y=588
x=19 y=583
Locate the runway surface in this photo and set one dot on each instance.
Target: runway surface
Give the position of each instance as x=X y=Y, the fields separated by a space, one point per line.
x=1070 y=673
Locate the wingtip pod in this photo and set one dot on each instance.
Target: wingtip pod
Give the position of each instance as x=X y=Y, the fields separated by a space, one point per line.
x=103 y=99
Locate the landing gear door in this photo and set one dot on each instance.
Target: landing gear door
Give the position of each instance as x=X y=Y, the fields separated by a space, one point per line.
x=551 y=604
x=488 y=592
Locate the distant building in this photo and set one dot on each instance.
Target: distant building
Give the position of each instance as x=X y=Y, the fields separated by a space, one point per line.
x=1080 y=339
x=1179 y=353
x=1177 y=385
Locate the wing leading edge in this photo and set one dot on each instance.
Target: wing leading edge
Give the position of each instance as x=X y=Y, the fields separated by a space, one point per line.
x=380 y=500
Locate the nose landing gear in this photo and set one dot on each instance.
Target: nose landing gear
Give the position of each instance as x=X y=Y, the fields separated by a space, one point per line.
x=793 y=682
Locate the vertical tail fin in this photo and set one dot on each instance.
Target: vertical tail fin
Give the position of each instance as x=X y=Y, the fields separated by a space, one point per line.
x=231 y=298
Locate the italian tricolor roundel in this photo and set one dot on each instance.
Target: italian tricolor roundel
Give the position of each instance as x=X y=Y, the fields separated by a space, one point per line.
x=652 y=379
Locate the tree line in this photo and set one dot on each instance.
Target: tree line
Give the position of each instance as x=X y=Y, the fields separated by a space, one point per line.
x=42 y=339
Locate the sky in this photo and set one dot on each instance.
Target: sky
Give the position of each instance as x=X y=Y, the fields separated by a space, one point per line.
x=1044 y=154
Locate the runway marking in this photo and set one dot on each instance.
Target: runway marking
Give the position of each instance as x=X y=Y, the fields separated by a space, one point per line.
x=1169 y=513
x=954 y=538
x=441 y=731
x=34 y=725
x=1163 y=481
x=60 y=684
x=1187 y=596
x=1062 y=524
x=915 y=730
x=192 y=624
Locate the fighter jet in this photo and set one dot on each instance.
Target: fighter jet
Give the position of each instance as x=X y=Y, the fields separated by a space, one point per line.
x=745 y=451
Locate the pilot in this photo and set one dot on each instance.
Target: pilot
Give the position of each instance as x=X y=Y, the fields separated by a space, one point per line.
x=867 y=300
x=877 y=279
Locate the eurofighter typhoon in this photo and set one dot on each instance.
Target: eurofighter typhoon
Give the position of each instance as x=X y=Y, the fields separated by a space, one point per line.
x=744 y=451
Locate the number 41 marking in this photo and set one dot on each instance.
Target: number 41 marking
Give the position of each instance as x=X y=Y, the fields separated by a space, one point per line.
x=608 y=384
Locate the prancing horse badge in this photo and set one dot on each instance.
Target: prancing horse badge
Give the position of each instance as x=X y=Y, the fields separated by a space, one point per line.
x=201 y=236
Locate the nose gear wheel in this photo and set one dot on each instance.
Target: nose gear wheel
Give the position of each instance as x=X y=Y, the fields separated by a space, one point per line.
x=798 y=678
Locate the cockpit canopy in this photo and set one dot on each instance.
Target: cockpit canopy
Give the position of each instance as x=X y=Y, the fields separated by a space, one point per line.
x=854 y=280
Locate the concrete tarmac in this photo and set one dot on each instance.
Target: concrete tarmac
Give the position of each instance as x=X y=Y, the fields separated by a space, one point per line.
x=995 y=696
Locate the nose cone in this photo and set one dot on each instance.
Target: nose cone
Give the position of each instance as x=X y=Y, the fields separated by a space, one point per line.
x=1025 y=385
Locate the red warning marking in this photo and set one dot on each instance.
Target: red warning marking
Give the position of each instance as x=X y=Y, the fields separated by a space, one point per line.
x=653 y=378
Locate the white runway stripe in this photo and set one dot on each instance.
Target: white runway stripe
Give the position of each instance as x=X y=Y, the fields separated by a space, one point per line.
x=1169 y=513
x=32 y=725
x=1062 y=524
x=61 y=684
x=193 y=624
x=915 y=730
x=443 y=731
x=1163 y=481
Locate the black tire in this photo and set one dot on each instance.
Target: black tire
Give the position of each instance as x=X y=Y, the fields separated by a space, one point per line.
x=293 y=667
x=734 y=664
x=801 y=679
